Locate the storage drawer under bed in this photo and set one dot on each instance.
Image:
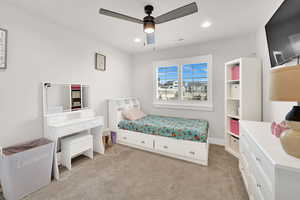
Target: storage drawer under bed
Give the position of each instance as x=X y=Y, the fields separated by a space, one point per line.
x=189 y=149
x=139 y=139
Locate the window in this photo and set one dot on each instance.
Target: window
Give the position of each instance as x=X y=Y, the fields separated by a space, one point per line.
x=184 y=83
x=167 y=83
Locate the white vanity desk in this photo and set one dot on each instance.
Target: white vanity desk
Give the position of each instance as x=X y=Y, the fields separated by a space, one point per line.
x=67 y=112
x=63 y=124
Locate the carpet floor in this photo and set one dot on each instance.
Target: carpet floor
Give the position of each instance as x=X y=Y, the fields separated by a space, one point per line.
x=124 y=173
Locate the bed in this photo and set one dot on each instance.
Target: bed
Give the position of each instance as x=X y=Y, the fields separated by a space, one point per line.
x=172 y=127
x=180 y=138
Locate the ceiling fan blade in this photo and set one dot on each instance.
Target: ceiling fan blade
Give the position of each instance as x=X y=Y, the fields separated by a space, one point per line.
x=177 y=13
x=120 y=16
x=150 y=38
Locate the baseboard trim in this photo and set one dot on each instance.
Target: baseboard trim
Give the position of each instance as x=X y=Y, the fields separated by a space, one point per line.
x=217 y=141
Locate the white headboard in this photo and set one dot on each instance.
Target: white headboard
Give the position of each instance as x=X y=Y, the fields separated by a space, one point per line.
x=115 y=108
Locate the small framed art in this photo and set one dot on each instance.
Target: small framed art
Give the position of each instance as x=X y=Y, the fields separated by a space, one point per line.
x=100 y=62
x=3 y=48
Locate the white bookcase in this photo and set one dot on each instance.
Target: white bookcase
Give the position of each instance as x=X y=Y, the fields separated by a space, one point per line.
x=242 y=97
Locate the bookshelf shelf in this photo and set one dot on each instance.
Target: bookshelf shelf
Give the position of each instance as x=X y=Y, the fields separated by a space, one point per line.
x=233 y=116
x=233 y=99
x=232 y=134
x=242 y=97
x=233 y=81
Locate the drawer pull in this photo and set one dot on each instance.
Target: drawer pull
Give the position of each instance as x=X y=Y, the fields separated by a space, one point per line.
x=125 y=138
x=259 y=186
x=165 y=147
x=192 y=152
x=143 y=142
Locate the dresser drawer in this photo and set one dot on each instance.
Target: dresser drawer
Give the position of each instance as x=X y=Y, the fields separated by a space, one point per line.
x=252 y=186
x=262 y=183
x=245 y=153
x=243 y=162
x=244 y=146
x=244 y=138
x=264 y=163
x=249 y=147
x=254 y=189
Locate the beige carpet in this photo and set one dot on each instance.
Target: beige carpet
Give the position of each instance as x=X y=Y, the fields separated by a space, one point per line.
x=130 y=174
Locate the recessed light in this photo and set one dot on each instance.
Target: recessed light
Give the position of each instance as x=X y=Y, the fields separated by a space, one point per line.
x=137 y=40
x=206 y=24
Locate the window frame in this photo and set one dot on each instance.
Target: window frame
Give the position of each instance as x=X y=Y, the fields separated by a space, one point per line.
x=180 y=103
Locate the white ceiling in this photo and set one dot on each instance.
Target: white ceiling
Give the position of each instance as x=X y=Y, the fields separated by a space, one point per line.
x=228 y=17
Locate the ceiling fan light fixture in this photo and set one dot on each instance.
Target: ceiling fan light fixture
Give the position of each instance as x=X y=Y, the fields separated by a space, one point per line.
x=149 y=26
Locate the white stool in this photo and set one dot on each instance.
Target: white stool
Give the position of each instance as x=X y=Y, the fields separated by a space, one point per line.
x=76 y=145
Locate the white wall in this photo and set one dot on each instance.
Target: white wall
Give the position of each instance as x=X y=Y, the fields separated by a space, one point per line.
x=222 y=51
x=271 y=110
x=39 y=50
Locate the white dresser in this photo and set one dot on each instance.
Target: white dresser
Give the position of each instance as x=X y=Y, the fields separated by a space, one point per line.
x=268 y=172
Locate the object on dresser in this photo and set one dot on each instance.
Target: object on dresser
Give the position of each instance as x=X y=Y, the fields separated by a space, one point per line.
x=20 y=163
x=285 y=84
x=277 y=129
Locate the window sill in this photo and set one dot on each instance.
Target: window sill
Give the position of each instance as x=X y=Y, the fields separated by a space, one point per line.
x=202 y=107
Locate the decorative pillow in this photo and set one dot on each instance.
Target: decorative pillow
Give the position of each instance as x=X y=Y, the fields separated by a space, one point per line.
x=133 y=114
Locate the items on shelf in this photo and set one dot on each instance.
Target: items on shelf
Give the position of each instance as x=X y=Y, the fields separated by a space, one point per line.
x=233 y=108
x=234 y=143
x=234 y=126
x=235 y=90
x=76 y=96
x=235 y=72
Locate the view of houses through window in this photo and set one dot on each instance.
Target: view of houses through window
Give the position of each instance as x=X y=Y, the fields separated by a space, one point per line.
x=168 y=83
x=189 y=80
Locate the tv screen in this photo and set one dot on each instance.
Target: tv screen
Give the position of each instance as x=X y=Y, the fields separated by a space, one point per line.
x=283 y=33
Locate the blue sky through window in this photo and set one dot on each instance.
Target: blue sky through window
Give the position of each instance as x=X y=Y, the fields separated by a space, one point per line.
x=190 y=73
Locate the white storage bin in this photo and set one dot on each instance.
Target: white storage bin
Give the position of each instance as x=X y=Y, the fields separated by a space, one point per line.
x=76 y=145
x=235 y=90
x=26 y=168
x=234 y=143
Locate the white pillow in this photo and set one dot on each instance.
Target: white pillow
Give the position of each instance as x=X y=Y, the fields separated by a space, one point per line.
x=133 y=114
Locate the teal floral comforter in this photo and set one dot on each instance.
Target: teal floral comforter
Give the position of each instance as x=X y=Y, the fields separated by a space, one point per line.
x=179 y=128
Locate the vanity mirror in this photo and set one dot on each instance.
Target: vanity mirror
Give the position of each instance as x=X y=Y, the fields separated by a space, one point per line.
x=65 y=97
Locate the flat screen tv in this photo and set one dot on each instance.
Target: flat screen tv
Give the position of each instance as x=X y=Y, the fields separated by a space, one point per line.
x=283 y=33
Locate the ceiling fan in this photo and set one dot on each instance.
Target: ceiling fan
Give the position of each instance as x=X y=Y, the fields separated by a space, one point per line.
x=149 y=21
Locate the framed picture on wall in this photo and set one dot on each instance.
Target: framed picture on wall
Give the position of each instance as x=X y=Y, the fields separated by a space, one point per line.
x=100 y=62
x=3 y=48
